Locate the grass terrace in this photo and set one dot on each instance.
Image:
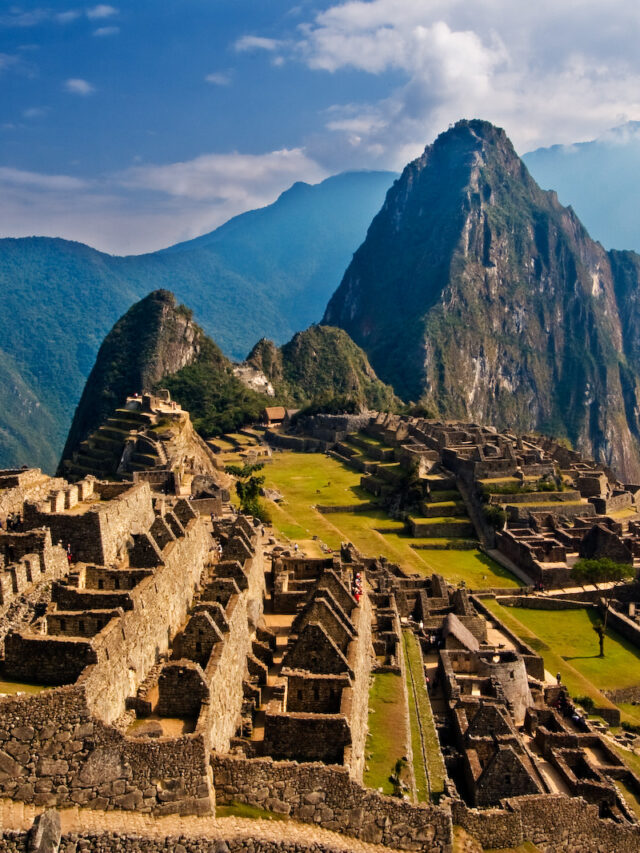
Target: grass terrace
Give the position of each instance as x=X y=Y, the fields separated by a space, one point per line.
x=387 y=738
x=428 y=764
x=308 y=479
x=570 y=647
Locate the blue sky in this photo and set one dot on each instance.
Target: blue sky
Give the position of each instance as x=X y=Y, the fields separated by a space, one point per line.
x=134 y=125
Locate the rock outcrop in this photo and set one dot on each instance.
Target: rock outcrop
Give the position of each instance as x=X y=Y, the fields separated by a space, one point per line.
x=480 y=294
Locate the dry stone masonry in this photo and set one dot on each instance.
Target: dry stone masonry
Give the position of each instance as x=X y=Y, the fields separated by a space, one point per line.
x=158 y=657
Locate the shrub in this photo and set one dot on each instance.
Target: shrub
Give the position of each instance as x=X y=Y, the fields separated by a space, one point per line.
x=587 y=703
x=495 y=516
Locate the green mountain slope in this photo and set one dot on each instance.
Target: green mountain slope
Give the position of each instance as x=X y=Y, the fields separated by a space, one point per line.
x=156 y=344
x=321 y=363
x=477 y=292
x=266 y=272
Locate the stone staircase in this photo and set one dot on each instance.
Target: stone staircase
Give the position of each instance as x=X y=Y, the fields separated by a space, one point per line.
x=101 y=453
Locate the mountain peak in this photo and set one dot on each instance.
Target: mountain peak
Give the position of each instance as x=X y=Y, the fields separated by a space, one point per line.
x=477 y=292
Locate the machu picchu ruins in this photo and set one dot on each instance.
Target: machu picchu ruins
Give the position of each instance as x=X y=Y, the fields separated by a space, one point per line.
x=163 y=653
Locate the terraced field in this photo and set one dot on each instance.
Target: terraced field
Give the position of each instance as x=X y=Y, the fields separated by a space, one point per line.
x=311 y=479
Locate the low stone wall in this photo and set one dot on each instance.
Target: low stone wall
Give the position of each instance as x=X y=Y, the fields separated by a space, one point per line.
x=629 y=629
x=441 y=529
x=361 y=507
x=326 y=796
x=92 y=842
x=534 y=602
x=555 y=824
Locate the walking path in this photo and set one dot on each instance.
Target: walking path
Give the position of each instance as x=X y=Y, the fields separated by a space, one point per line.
x=18 y=816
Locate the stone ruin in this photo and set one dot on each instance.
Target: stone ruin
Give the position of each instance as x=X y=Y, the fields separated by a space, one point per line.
x=559 y=506
x=156 y=659
x=151 y=439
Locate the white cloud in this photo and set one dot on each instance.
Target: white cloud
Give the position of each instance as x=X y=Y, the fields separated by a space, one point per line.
x=218 y=78
x=67 y=17
x=148 y=207
x=101 y=11
x=37 y=180
x=106 y=31
x=77 y=86
x=237 y=178
x=547 y=71
x=35 y=112
x=251 y=43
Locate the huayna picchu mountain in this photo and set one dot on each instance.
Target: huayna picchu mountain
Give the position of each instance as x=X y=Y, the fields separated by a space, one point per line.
x=481 y=295
x=157 y=344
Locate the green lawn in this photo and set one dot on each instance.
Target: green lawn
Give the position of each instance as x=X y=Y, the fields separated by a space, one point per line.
x=245 y=810
x=387 y=738
x=305 y=479
x=430 y=779
x=569 y=645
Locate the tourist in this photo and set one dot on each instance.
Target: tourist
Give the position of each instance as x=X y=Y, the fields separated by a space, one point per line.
x=558 y=678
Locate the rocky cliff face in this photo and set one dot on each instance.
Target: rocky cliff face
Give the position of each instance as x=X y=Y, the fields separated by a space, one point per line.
x=156 y=337
x=318 y=364
x=480 y=294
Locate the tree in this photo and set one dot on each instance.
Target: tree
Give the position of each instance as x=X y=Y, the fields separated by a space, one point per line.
x=602 y=570
x=248 y=485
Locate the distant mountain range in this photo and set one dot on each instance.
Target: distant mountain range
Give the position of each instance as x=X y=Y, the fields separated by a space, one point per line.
x=266 y=272
x=600 y=180
x=480 y=295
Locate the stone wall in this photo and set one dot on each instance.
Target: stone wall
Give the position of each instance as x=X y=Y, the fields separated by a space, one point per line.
x=17 y=842
x=227 y=665
x=359 y=656
x=99 y=534
x=555 y=824
x=534 y=602
x=326 y=796
x=532 y=661
x=19 y=486
x=52 y=752
x=629 y=629
x=160 y=602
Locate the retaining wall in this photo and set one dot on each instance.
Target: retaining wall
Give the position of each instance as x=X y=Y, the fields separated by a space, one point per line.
x=326 y=796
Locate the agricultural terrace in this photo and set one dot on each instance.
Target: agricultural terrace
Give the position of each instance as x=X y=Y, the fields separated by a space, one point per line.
x=311 y=479
x=569 y=645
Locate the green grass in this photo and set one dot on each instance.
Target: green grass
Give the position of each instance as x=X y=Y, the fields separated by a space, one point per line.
x=386 y=741
x=630 y=798
x=569 y=645
x=305 y=479
x=245 y=810
x=430 y=779
x=11 y=687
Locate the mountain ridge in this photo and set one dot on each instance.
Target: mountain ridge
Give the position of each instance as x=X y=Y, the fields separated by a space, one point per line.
x=480 y=294
x=60 y=298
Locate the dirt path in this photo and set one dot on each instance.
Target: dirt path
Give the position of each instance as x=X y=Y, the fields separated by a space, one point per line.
x=17 y=816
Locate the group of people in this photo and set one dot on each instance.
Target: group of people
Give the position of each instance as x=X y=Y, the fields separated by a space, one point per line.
x=357 y=587
x=13 y=521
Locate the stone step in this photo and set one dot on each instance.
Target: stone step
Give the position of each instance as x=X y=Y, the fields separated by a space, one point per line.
x=131 y=416
x=97 y=467
x=146 y=459
x=113 y=433
x=97 y=453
